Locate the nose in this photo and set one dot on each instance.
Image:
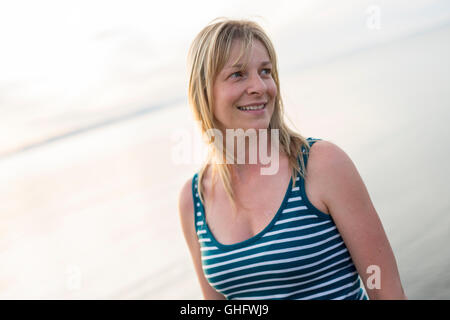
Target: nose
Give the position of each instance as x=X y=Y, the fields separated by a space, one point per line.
x=256 y=85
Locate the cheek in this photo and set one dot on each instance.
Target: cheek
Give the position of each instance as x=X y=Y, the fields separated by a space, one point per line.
x=217 y=100
x=221 y=105
x=272 y=89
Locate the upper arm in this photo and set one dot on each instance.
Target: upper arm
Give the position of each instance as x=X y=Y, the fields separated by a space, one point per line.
x=354 y=214
x=186 y=213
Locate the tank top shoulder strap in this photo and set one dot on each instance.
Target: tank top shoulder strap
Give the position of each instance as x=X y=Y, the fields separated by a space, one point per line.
x=305 y=154
x=198 y=206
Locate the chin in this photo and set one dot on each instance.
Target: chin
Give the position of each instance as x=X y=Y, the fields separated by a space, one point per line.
x=256 y=125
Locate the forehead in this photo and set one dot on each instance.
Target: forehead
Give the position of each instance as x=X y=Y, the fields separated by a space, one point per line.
x=256 y=52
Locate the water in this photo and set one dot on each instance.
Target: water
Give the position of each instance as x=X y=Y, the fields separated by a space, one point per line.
x=94 y=215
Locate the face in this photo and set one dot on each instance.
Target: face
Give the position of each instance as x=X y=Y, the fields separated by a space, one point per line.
x=245 y=97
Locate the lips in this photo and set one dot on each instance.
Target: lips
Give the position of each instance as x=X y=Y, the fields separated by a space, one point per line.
x=252 y=107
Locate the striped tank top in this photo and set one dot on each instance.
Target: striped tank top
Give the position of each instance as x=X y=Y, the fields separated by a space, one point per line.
x=298 y=255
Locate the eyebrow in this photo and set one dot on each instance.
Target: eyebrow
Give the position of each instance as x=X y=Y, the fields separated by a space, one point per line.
x=239 y=65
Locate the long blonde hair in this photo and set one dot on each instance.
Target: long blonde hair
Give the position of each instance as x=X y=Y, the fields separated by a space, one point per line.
x=207 y=55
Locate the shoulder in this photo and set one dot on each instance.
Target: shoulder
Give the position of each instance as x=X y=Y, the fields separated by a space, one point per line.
x=342 y=185
x=334 y=169
x=186 y=207
x=321 y=146
x=327 y=156
x=355 y=217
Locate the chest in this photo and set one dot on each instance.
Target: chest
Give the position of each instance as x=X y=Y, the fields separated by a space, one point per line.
x=257 y=204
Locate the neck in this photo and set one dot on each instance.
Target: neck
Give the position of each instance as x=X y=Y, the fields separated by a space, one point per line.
x=249 y=151
x=258 y=157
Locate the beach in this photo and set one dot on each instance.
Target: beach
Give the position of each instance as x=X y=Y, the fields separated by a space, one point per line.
x=94 y=215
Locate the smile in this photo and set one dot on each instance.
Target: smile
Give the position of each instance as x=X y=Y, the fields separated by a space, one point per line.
x=252 y=108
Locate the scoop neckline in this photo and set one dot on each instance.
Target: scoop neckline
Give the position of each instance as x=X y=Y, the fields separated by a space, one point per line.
x=252 y=239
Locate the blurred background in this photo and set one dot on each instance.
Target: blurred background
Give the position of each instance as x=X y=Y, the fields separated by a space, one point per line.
x=96 y=136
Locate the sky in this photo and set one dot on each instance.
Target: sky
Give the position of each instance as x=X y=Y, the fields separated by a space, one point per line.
x=57 y=38
x=80 y=43
x=67 y=60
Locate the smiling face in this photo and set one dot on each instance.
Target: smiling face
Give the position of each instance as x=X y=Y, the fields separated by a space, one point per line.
x=244 y=93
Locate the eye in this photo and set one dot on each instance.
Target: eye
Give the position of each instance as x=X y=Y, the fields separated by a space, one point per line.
x=267 y=71
x=236 y=74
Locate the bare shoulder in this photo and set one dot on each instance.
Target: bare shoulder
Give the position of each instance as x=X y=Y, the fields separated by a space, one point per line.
x=356 y=218
x=187 y=219
x=323 y=151
x=186 y=207
x=332 y=171
x=326 y=157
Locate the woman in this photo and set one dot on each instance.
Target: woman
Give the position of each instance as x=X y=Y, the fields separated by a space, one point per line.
x=308 y=230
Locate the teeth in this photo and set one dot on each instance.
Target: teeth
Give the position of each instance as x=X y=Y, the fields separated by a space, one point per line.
x=252 y=107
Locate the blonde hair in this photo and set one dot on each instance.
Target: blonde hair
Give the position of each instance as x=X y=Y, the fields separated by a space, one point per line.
x=207 y=55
